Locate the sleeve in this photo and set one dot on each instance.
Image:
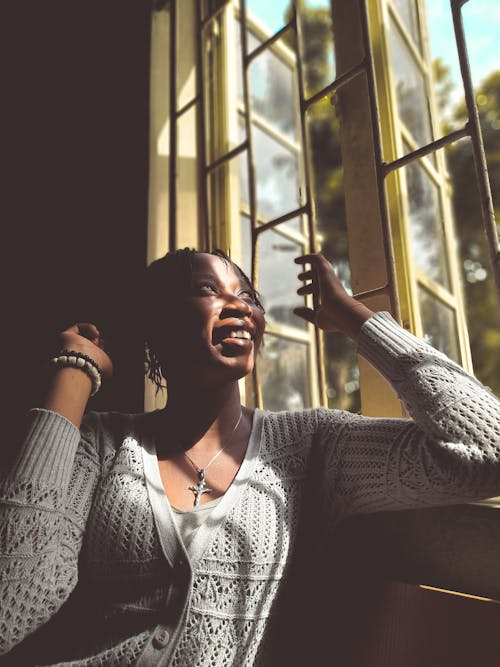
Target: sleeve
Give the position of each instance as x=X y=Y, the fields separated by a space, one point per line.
x=44 y=504
x=449 y=452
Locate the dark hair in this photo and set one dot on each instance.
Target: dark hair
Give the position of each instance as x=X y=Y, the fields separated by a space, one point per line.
x=174 y=268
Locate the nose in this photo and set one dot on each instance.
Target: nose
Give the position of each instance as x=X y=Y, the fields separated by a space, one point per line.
x=236 y=307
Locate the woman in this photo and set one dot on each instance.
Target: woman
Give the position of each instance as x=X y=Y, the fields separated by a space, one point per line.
x=169 y=537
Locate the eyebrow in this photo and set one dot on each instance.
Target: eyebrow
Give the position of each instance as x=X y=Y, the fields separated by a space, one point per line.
x=214 y=277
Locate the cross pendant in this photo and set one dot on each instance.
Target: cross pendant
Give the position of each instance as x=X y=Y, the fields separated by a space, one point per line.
x=200 y=488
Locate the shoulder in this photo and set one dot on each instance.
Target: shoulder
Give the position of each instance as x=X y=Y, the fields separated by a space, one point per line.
x=303 y=425
x=106 y=432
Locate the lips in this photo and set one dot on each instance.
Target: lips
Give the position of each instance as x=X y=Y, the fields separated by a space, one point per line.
x=228 y=334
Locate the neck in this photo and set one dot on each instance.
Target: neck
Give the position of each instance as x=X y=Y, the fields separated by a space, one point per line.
x=198 y=414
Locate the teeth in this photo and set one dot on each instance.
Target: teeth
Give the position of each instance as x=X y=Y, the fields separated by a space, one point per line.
x=241 y=333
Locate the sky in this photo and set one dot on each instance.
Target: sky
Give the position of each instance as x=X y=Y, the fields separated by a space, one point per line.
x=481 y=20
x=482 y=32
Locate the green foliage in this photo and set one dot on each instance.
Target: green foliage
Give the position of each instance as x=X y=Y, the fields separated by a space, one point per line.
x=328 y=191
x=483 y=311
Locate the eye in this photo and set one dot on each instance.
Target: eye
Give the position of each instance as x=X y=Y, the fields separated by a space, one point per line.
x=206 y=288
x=247 y=294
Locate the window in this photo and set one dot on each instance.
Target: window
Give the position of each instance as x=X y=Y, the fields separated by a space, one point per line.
x=430 y=295
x=267 y=142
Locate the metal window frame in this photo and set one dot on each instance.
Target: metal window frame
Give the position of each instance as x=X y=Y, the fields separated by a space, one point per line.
x=366 y=68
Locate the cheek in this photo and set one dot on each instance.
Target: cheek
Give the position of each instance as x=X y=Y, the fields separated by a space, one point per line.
x=260 y=323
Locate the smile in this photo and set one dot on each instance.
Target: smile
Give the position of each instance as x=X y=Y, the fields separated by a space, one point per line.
x=232 y=333
x=240 y=333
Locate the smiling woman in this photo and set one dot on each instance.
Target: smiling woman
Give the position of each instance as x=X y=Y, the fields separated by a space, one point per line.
x=210 y=293
x=175 y=537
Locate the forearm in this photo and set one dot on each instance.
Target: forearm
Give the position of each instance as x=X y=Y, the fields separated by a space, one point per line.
x=68 y=394
x=452 y=450
x=44 y=502
x=448 y=453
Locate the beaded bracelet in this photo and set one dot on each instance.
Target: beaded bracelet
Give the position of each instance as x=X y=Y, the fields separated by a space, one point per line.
x=84 y=363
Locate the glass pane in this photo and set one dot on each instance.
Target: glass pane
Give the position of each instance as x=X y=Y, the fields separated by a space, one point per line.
x=222 y=185
x=239 y=61
x=426 y=224
x=328 y=186
x=438 y=324
x=293 y=225
x=187 y=170
x=278 y=278
x=243 y=164
x=277 y=176
x=342 y=372
x=317 y=47
x=271 y=15
x=407 y=11
x=341 y=366
x=272 y=92
x=246 y=245
x=283 y=372
x=214 y=86
x=448 y=88
x=411 y=95
x=481 y=298
x=211 y=6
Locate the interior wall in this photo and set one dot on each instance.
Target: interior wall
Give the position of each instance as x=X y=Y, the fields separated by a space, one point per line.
x=74 y=209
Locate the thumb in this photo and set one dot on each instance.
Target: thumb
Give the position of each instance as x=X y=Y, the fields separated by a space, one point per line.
x=307 y=314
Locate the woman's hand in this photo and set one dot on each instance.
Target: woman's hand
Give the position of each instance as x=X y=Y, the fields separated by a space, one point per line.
x=69 y=389
x=333 y=308
x=85 y=337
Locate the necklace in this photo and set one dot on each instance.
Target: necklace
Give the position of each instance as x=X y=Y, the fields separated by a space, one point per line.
x=201 y=487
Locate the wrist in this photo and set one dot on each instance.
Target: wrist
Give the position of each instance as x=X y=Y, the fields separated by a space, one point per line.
x=80 y=361
x=68 y=393
x=357 y=314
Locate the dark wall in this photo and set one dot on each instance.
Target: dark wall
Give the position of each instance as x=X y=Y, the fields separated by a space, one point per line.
x=75 y=95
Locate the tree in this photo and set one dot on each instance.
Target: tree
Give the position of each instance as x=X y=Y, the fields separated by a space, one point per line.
x=482 y=306
x=328 y=191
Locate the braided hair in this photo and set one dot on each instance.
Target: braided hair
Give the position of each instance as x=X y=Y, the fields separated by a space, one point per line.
x=174 y=268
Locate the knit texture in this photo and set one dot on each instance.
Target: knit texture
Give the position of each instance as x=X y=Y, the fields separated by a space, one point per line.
x=78 y=530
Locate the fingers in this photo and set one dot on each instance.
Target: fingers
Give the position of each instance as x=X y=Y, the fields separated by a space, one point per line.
x=309 y=288
x=87 y=330
x=305 y=313
x=315 y=258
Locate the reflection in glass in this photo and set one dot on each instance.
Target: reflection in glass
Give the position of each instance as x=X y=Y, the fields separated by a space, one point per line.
x=317 y=45
x=283 y=372
x=341 y=366
x=328 y=186
x=277 y=176
x=278 y=278
x=409 y=81
x=438 y=324
x=272 y=92
x=426 y=224
x=407 y=11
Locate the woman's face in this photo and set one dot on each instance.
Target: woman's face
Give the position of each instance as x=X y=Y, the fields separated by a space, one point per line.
x=217 y=326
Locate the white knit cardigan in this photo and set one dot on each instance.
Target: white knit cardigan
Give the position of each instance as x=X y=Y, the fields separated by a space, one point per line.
x=93 y=571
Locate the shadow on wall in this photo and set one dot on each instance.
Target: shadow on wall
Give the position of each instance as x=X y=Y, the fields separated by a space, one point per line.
x=75 y=206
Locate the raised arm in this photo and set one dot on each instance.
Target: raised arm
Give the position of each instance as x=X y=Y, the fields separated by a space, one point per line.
x=448 y=453
x=46 y=496
x=70 y=387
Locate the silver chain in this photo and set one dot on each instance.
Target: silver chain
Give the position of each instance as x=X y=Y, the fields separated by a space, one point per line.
x=196 y=467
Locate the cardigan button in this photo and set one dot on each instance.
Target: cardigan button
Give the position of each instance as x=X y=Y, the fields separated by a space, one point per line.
x=161 y=638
